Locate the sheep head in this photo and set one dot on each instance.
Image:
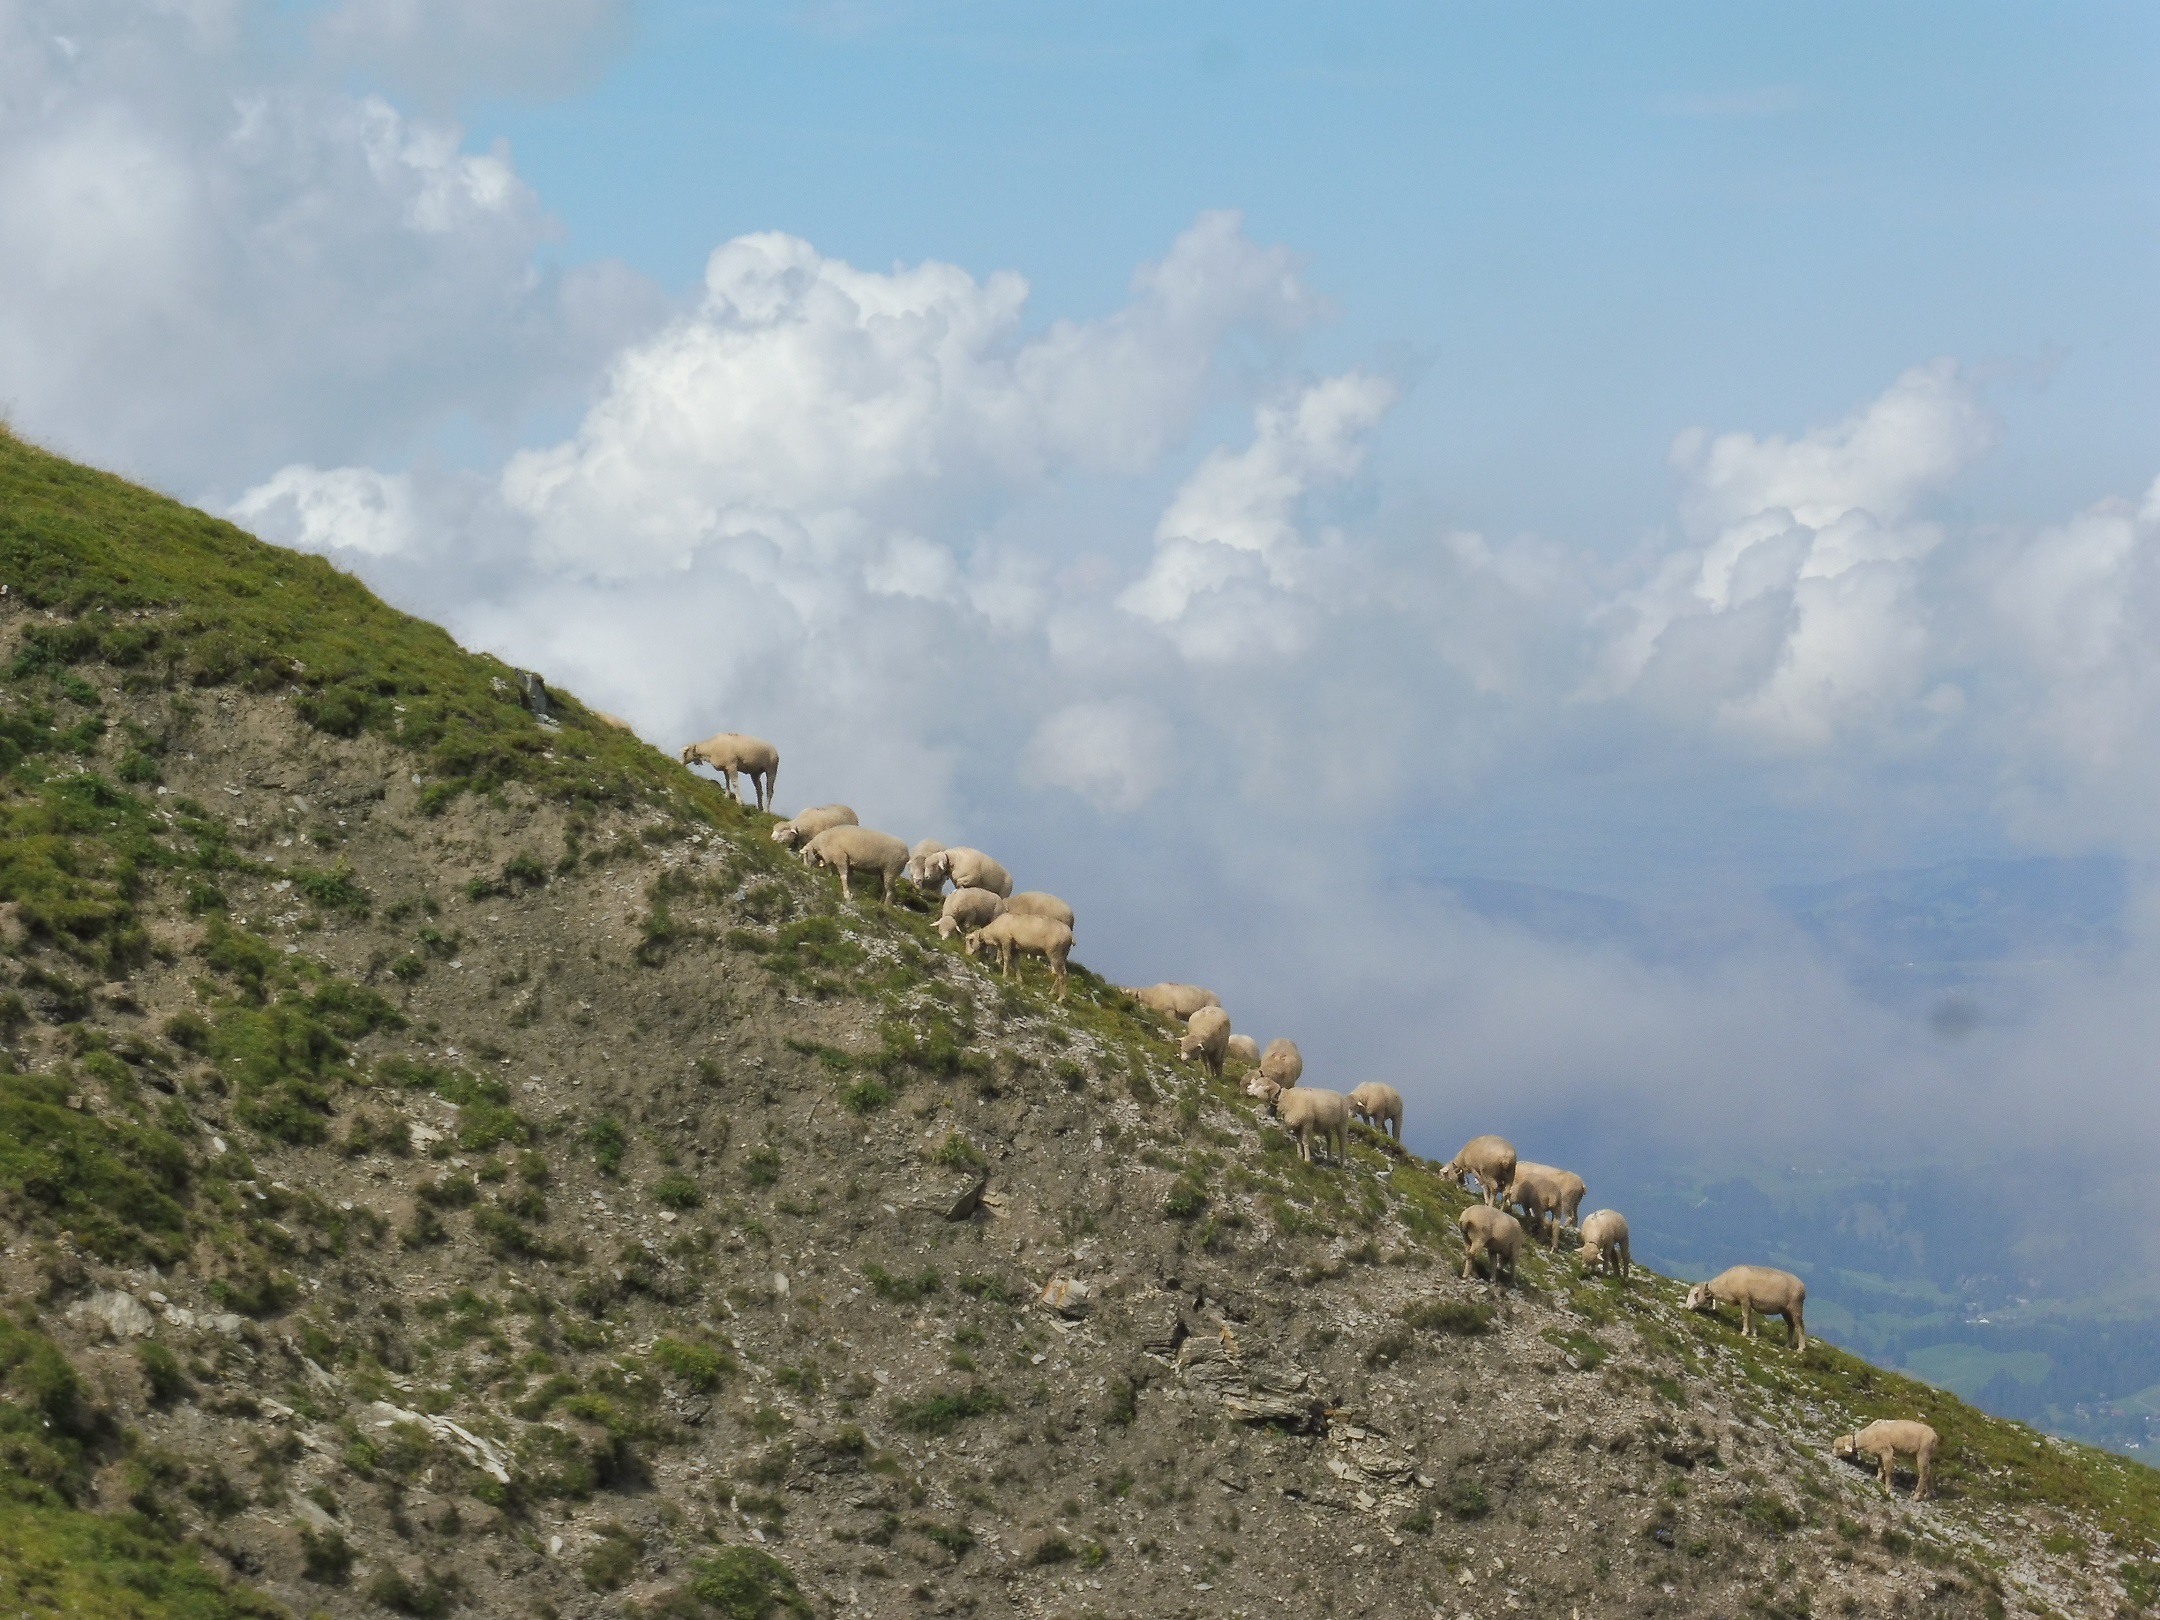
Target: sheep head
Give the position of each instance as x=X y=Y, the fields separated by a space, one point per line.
x=1845 y=1446
x=1698 y=1298
x=1259 y=1085
x=787 y=835
x=973 y=940
x=689 y=753
x=946 y=928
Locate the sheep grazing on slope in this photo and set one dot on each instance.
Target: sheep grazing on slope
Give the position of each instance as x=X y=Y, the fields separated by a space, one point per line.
x=1550 y=1197
x=1207 y=1037
x=1308 y=1111
x=1036 y=936
x=1605 y=1243
x=1179 y=1001
x=923 y=850
x=615 y=720
x=1493 y=1236
x=1282 y=1062
x=807 y=824
x=967 y=869
x=848 y=850
x=1489 y=1159
x=1380 y=1107
x=966 y=910
x=731 y=753
x=1886 y=1439
x=1037 y=903
x=1758 y=1291
x=1244 y=1048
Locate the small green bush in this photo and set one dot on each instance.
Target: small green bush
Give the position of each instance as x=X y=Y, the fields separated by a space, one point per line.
x=608 y=1142
x=761 y=1166
x=1463 y=1317
x=326 y=1558
x=699 y=1366
x=162 y=1372
x=902 y=1290
x=943 y=1413
x=677 y=1191
x=744 y=1583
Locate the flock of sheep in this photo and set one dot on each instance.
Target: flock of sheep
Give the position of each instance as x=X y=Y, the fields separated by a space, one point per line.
x=983 y=909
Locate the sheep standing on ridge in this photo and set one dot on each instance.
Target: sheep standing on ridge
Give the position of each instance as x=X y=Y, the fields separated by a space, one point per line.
x=1493 y=1236
x=968 y=909
x=1179 y=1001
x=614 y=720
x=1380 y=1107
x=968 y=869
x=1543 y=1192
x=1605 y=1243
x=1038 y=903
x=1037 y=936
x=848 y=850
x=1244 y=1048
x=1207 y=1037
x=730 y=752
x=1488 y=1159
x=1307 y=1111
x=1885 y=1439
x=1758 y=1291
x=1282 y=1062
x=807 y=824
x=923 y=850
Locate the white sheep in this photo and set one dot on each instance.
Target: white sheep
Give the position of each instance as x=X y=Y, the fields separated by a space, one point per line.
x=1493 y=1236
x=614 y=720
x=1179 y=1001
x=923 y=850
x=967 y=869
x=968 y=909
x=1489 y=1160
x=1282 y=1062
x=848 y=850
x=1884 y=1439
x=1039 y=903
x=1758 y=1291
x=1379 y=1106
x=1244 y=1048
x=1605 y=1243
x=807 y=824
x=1547 y=1194
x=1207 y=1037
x=1308 y=1111
x=729 y=752
x=1036 y=936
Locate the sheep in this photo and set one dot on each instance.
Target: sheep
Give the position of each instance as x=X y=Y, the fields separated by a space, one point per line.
x=968 y=869
x=731 y=751
x=615 y=720
x=848 y=850
x=1037 y=903
x=807 y=824
x=1038 y=936
x=1605 y=1243
x=1244 y=1048
x=1492 y=1234
x=1179 y=1001
x=1758 y=1291
x=1207 y=1037
x=1543 y=1192
x=1282 y=1062
x=923 y=850
x=1490 y=1159
x=1380 y=1107
x=968 y=909
x=1884 y=1439
x=1309 y=1112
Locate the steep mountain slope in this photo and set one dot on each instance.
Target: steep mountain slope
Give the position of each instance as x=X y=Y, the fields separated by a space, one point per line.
x=453 y=1162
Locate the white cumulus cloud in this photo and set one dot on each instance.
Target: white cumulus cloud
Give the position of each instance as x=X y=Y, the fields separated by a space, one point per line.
x=1115 y=754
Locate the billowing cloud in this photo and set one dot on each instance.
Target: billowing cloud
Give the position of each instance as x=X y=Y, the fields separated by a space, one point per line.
x=1113 y=754
x=349 y=509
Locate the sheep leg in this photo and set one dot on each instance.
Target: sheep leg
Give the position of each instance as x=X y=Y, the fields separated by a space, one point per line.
x=845 y=892
x=1888 y=1457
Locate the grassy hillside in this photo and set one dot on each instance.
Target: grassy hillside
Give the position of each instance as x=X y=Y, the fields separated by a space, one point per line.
x=450 y=1162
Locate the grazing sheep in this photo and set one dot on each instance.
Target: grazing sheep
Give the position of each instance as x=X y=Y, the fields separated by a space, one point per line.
x=1492 y=1235
x=1037 y=903
x=1037 y=936
x=1758 y=1291
x=809 y=823
x=968 y=869
x=1380 y=1107
x=616 y=721
x=923 y=850
x=1489 y=1159
x=1308 y=1111
x=731 y=751
x=1605 y=1243
x=1541 y=1191
x=967 y=909
x=1885 y=1439
x=848 y=850
x=1179 y=1001
x=1244 y=1048
x=1207 y=1037
x=1282 y=1062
